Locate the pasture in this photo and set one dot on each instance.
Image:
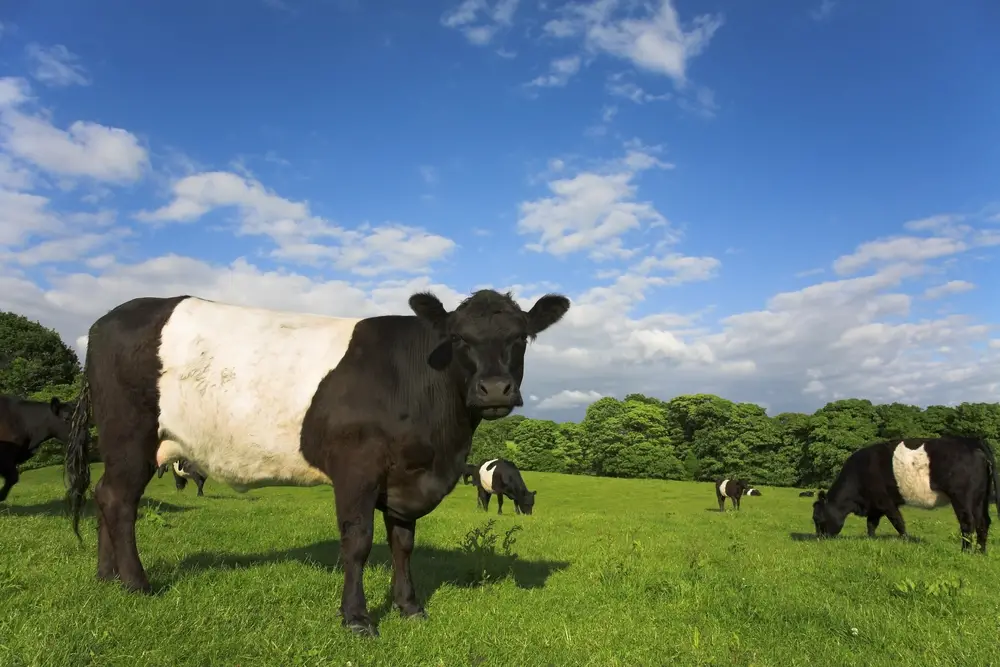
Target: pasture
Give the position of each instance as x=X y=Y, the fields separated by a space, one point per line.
x=607 y=572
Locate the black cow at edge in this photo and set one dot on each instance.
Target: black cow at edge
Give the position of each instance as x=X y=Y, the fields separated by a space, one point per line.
x=24 y=426
x=183 y=471
x=920 y=472
x=382 y=408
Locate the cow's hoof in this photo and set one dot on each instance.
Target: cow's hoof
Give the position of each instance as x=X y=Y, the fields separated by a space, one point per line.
x=411 y=611
x=362 y=627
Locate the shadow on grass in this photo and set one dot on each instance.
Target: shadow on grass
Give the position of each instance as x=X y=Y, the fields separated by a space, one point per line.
x=57 y=508
x=431 y=567
x=812 y=537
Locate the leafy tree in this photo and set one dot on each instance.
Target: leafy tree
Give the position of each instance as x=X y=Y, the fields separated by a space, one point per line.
x=33 y=357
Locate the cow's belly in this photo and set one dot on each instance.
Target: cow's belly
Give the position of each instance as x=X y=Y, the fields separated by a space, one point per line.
x=415 y=493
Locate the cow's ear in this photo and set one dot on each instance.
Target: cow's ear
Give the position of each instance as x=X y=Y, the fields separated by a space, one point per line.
x=441 y=356
x=547 y=311
x=54 y=405
x=428 y=307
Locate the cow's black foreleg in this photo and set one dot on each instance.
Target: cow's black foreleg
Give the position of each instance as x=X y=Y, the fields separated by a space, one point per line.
x=400 y=535
x=200 y=481
x=484 y=499
x=355 y=518
x=722 y=503
x=10 y=477
x=736 y=503
x=873 y=519
x=499 y=503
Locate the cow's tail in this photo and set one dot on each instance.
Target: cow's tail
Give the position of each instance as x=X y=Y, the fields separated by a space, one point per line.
x=994 y=477
x=78 y=455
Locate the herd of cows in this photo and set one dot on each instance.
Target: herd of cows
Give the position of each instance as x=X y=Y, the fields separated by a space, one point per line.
x=383 y=409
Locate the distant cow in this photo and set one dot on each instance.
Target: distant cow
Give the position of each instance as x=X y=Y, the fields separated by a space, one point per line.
x=734 y=490
x=382 y=408
x=501 y=478
x=920 y=472
x=183 y=471
x=24 y=426
x=806 y=494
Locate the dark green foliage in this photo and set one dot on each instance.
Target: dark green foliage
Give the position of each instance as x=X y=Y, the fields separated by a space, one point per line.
x=32 y=357
x=701 y=436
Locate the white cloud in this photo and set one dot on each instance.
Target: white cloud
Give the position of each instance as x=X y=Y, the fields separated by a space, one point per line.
x=85 y=149
x=56 y=65
x=824 y=10
x=897 y=249
x=948 y=288
x=656 y=42
x=480 y=20
x=560 y=72
x=569 y=398
x=299 y=235
x=618 y=86
x=592 y=210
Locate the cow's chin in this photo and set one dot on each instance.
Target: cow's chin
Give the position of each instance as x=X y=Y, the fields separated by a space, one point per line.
x=496 y=412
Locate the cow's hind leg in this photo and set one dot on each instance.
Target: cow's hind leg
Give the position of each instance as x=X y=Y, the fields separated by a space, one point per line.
x=983 y=528
x=355 y=518
x=722 y=503
x=966 y=522
x=129 y=464
x=400 y=535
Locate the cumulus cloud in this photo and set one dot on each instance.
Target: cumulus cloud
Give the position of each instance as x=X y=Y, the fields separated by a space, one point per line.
x=480 y=20
x=299 y=235
x=560 y=72
x=592 y=210
x=651 y=39
x=56 y=66
x=568 y=398
x=948 y=288
x=84 y=149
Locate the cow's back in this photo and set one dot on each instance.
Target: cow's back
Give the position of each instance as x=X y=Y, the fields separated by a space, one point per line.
x=235 y=385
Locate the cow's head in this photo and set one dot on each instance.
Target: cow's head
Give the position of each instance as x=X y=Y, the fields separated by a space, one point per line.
x=826 y=517
x=526 y=504
x=486 y=337
x=62 y=416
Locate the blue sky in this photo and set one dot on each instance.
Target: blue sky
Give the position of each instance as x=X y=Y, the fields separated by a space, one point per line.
x=786 y=204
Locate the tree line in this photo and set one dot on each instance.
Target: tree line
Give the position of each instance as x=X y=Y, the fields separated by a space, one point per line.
x=694 y=437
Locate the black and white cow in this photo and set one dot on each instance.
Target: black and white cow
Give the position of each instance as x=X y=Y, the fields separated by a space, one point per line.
x=920 y=472
x=24 y=426
x=734 y=490
x=501 y=478
x=806 y=494
x=183 y=471
x=382 y=408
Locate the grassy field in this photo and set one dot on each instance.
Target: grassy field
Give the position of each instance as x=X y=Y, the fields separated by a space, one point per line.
x=608 y=572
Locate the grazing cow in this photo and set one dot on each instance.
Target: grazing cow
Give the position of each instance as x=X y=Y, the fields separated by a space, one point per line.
x=734 y=490
x=920 y=472
x=501 y=478
x=183 y=471
x=470 y=475
x=382 y=408
x=806 y=494
x=24 y=426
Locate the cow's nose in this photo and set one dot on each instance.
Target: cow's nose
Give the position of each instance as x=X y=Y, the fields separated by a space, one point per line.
x=494 y=390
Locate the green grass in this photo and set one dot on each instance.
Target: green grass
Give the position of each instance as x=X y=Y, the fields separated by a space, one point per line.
x=608 y=572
